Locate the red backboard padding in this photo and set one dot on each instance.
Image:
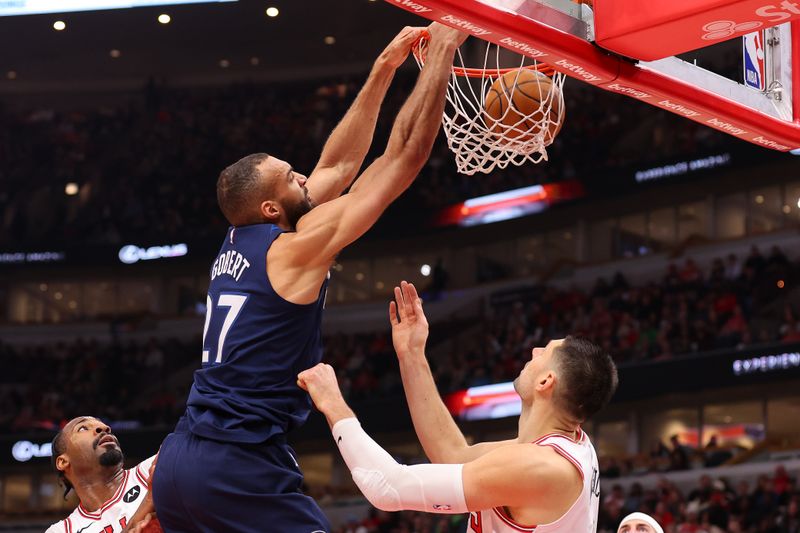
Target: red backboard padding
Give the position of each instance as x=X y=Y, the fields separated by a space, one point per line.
x=656 y=29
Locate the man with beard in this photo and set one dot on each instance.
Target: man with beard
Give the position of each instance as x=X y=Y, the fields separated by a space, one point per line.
x=227 y=466
x=89 y=460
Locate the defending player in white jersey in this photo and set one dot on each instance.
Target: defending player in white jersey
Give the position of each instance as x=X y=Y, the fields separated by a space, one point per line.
x=89 y=460
x=545 y=480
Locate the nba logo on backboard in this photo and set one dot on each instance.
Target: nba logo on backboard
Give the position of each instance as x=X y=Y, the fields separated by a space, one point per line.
x=755 y=69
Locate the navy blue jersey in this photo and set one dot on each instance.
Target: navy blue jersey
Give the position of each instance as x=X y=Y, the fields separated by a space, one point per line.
x=254 y=345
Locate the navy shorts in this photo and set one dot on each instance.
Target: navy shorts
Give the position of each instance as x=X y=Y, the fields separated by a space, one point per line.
x=209 y=486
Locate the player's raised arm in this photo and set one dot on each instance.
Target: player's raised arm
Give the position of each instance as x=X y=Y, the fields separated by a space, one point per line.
x=324 y=231
x=349 y=142
x=441 y=439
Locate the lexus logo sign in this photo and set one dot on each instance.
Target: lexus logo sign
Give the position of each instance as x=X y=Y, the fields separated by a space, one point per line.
x=131 y=253
x=24 y=450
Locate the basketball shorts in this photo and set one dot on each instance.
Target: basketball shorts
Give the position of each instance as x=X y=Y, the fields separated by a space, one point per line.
x=202 y=485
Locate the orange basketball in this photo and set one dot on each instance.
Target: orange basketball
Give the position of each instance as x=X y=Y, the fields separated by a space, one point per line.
x=518 y=102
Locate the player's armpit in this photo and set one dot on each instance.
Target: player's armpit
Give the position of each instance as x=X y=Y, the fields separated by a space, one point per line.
x=475 y=451
x=324 y=231
x=519 y=475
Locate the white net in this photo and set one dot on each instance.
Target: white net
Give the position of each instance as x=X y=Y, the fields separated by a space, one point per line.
x=495 y=115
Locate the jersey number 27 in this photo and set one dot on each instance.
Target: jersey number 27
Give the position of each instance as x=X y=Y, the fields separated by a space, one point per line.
x=234 y=304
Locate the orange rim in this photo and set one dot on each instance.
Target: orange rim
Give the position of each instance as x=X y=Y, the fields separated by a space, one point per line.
x=420 y=52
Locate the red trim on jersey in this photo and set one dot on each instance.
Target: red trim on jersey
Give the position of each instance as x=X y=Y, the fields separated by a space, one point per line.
x=142 y=479
x=114 y=499
x=579 y=436
x=566 y=455
x=510 y=521
x=68 y=525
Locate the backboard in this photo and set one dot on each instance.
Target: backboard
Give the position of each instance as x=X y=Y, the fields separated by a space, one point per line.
x=623 y=51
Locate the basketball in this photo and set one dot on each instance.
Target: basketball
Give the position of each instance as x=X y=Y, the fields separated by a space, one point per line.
x=520 y=103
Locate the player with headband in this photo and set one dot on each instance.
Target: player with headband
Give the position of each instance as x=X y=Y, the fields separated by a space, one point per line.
x=639 y=523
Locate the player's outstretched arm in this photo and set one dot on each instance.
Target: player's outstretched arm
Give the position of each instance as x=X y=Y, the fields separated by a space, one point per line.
x=438 y=433
x=512 y=476
x=305 y=255
x=348 y=144
x=417 y=123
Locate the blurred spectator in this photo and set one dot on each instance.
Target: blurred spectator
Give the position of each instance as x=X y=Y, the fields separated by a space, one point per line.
x=714 y=455
x=147 y=168
x=678 y=455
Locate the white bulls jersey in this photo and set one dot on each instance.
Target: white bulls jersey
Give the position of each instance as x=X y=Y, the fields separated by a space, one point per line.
x=112 y=516
x=580 y=518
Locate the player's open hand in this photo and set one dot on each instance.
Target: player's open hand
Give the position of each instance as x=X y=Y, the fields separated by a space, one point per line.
x=321 y=384
x=409 y=324
x=396 y=53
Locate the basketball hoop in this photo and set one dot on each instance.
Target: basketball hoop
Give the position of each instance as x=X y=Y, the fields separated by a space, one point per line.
x=484 y=138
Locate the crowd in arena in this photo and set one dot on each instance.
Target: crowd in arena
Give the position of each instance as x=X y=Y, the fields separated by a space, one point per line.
x=43 y=386
x=739 y=302
x=767 y=504
x=148 y=168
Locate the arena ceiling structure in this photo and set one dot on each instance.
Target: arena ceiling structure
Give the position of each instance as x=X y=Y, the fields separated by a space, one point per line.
x=202 y=43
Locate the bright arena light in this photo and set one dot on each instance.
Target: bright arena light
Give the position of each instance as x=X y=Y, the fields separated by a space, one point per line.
x=71 y=189
x=272 y=12
x=38 y=7
x=59 y=25
x=425 y=270
x=163 y=18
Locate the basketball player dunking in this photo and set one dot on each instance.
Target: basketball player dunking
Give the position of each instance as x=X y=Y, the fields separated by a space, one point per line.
x=227 y=466
x=545 y=480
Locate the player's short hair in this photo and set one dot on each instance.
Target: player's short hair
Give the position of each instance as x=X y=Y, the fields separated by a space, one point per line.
x=59 y=447
x=239 y=186
x=588 y=377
